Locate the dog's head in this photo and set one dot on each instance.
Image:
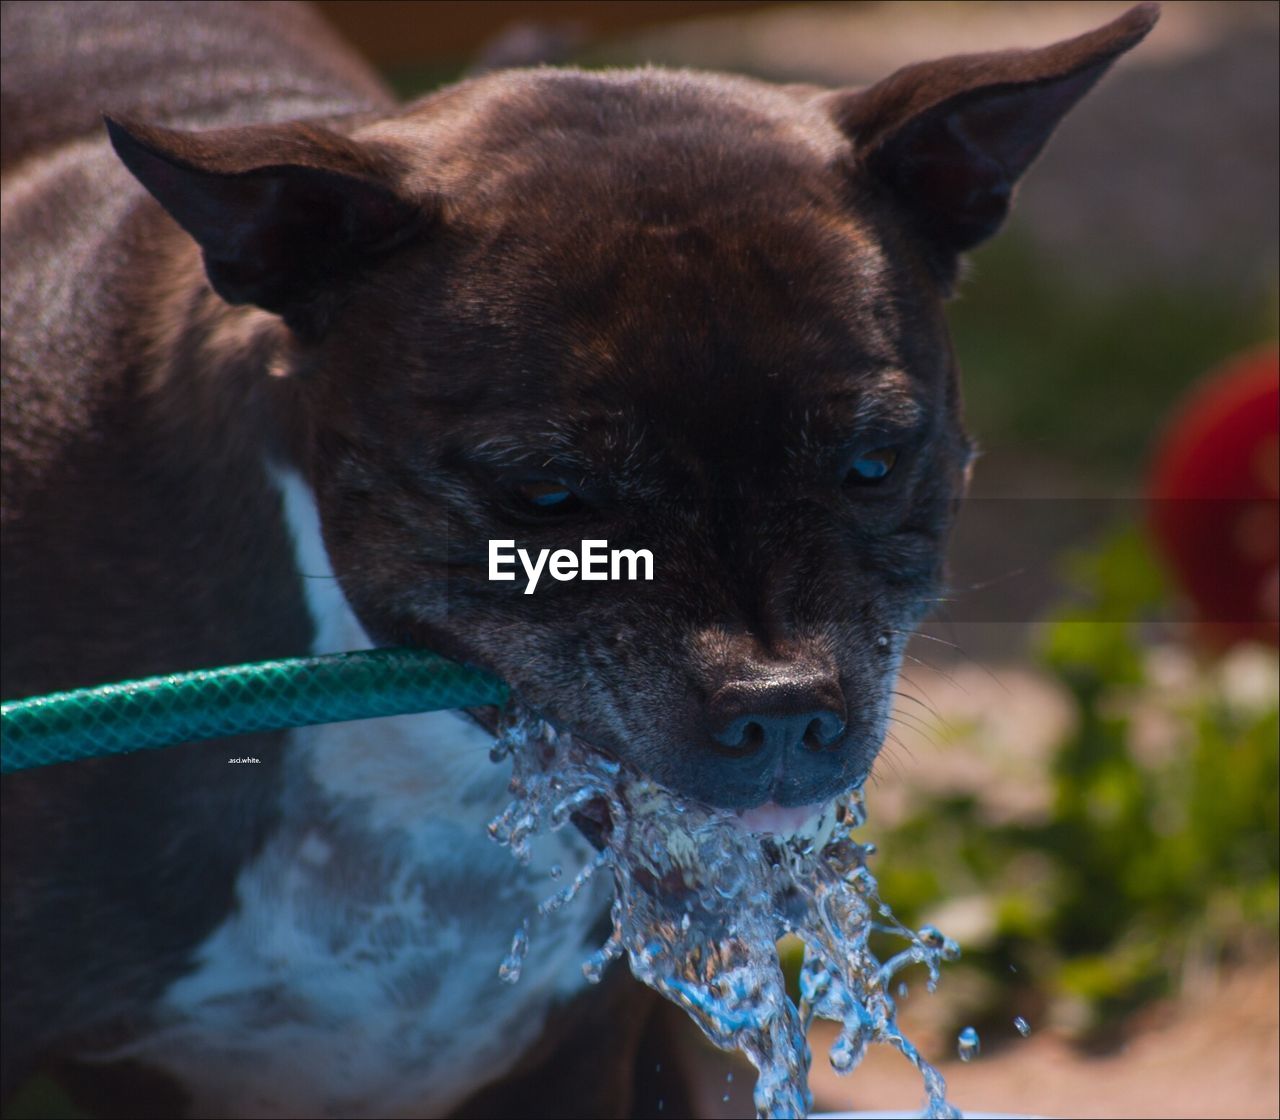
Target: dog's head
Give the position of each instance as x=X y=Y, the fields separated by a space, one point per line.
x=694 y=314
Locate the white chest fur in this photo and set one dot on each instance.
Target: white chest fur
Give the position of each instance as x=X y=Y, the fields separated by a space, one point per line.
x=359 y=974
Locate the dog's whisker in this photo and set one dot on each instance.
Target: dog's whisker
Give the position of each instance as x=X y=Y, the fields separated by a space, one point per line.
x=979 y=663
x=942 y=723
x=930 y=638
x=927 y=735
x=910 y=682
x=892 y=769
x=890 y=758
x=913 y=723
x=933 y=735
x=958 y=648
x=916 y=729
x=994 y=581
x=932 y=668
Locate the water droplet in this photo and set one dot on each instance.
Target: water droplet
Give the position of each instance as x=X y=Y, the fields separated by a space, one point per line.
x=513 y=963
x=657 y=1068
x=847 y=1052
x=968 y=1044
x=842 y=1056
x=1022 y=1026
x=556 y=871
x=728 y=1077
x=863 y=881
x=931 y=937
x=593 y=967
x=903 y=990
x=725 y=1098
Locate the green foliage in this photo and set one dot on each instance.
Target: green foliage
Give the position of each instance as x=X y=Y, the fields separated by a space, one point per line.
x=1079 y=374
x=1141 y=862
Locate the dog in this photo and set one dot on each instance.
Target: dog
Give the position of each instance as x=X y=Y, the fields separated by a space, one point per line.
x=282 y=357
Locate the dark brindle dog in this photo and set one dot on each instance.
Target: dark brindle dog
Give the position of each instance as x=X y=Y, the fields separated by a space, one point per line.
x=278 y=329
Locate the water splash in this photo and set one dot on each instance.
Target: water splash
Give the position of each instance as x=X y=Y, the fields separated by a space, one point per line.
x=1021 y=1026
x=700 y=903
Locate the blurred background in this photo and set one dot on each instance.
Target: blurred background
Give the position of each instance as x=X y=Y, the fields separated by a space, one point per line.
x=1081 y=784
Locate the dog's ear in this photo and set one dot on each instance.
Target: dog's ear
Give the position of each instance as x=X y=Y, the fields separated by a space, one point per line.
x=282 y=212
x=950 y=138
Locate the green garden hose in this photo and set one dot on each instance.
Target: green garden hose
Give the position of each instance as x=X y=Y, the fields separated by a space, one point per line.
x=212 y=703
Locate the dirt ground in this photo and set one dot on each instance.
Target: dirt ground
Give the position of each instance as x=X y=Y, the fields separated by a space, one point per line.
x=1212 y=1053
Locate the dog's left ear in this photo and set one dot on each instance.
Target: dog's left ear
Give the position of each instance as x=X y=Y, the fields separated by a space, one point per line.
x=950 y=138
x=284 y=214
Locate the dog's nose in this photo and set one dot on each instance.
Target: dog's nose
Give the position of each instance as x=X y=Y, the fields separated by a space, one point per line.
x=778 y=714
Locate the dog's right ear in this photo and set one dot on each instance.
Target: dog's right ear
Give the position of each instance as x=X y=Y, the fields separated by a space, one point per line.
x=283 y=213
x=951 y=138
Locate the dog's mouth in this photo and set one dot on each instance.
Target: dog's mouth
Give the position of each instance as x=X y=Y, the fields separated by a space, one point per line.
x=770 y=819
x=812 y=822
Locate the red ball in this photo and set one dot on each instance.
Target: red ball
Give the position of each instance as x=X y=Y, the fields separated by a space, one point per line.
x=1215 y=499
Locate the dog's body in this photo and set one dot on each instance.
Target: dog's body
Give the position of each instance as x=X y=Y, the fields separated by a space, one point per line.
x=658 y=305
x=388 y=911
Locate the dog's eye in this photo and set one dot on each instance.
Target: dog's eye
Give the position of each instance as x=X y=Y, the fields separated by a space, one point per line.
x=871 y=466
x=548 y=496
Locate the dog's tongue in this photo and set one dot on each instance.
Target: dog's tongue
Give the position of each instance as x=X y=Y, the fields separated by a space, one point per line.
x=779 y=821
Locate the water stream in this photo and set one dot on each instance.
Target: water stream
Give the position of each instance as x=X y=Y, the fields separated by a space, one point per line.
x=700 y=903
